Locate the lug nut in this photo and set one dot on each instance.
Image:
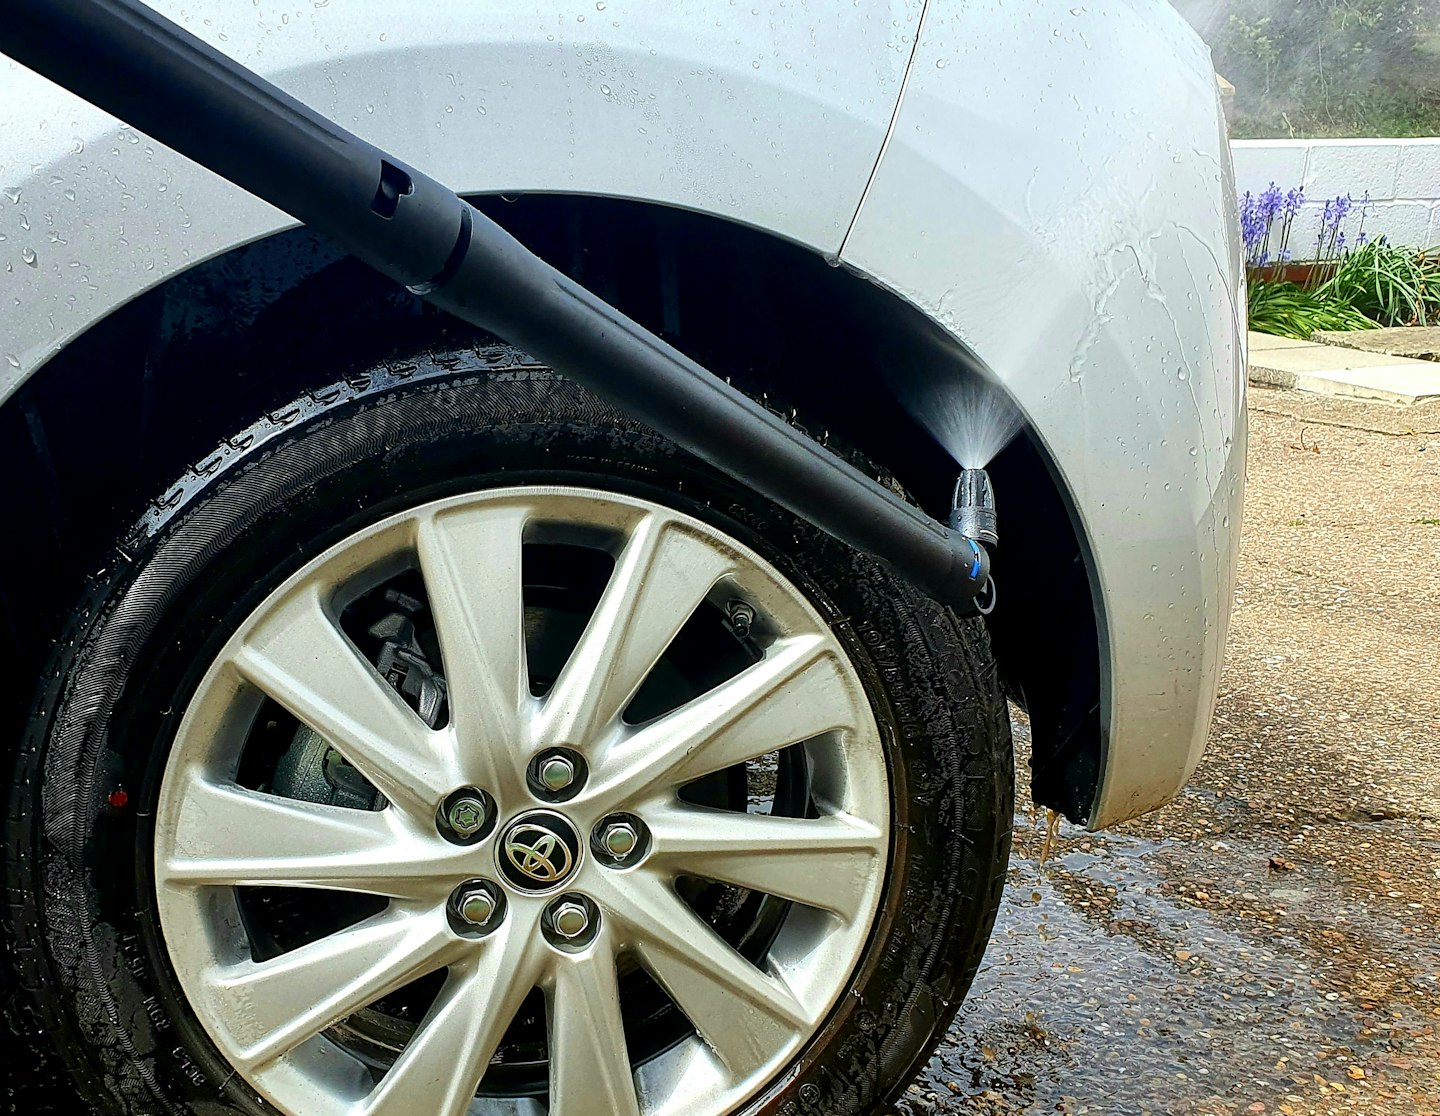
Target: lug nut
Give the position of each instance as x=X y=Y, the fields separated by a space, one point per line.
x=476 y=907
x=466 y=816
x=570 y=920
x=557 y=773
x=620 y=839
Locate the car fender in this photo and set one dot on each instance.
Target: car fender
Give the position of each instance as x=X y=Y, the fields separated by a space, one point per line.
x=769 y=118
x=1062 y=180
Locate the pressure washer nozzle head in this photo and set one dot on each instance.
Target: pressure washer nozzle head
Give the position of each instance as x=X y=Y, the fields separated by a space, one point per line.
x=972 y=511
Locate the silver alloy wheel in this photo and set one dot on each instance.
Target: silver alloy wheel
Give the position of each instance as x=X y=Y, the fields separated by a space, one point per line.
x=270 y=1018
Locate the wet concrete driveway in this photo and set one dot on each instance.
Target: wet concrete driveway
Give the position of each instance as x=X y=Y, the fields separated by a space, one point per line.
x=1271 y=942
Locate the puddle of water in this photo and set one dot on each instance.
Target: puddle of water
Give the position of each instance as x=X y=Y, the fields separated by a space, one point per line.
x=1099 y=993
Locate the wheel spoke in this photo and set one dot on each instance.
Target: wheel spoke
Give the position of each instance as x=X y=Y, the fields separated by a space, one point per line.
x=274 y=1006
x=821 y=862
x=660 y=578
x=298 y=656
x=441 y=1067
x=228 y=835
x=797 y=692
x=589 y=1064
x=743 y=1014
x=470 y=560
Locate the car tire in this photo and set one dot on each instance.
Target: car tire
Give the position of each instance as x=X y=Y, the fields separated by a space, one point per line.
x=104 y=954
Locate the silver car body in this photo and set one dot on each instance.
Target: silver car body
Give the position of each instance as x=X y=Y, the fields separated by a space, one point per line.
x=1049 y=181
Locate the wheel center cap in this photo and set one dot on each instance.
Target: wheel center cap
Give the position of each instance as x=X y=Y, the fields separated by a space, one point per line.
x=538 y=850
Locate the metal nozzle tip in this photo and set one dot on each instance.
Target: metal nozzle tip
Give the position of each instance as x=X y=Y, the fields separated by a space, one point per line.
x=972 y=511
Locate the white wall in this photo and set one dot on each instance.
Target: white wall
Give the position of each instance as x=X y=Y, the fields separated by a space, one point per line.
x=1402 y=176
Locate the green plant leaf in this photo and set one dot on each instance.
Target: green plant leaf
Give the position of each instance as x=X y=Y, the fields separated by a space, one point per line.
x=1287 y=310
x=1395 y=286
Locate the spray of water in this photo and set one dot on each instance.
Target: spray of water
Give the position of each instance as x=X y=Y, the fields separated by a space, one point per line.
x=972 y=417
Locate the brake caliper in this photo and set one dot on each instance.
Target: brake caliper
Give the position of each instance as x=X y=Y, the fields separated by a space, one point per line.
x=312 y=770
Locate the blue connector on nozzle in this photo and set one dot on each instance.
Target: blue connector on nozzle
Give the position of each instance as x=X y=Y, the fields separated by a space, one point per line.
x=972 y=515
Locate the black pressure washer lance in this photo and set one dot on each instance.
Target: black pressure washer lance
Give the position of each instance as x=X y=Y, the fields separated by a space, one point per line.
x=158 y=78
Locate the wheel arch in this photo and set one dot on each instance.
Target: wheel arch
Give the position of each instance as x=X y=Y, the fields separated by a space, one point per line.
x=153 y=388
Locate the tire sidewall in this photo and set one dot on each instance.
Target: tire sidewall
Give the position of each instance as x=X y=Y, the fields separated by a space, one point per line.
x=176 y=590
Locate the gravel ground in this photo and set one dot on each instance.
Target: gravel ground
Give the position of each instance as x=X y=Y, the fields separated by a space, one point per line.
x=1268 y=943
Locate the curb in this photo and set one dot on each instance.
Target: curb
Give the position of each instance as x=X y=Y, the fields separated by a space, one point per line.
x=1345 y=373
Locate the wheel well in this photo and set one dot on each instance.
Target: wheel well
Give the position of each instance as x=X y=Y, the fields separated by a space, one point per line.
x=116 y=416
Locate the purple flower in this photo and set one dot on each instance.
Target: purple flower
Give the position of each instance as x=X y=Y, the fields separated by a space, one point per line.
x=1267 y=218
x=1271 y=202
x=1330 y=239
x=1253 y=223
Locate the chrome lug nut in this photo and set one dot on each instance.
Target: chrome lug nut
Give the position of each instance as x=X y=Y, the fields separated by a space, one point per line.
x=570 y=920
x=620 y=839
x=476 y=907
x=557 y=773
x=466 y=816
